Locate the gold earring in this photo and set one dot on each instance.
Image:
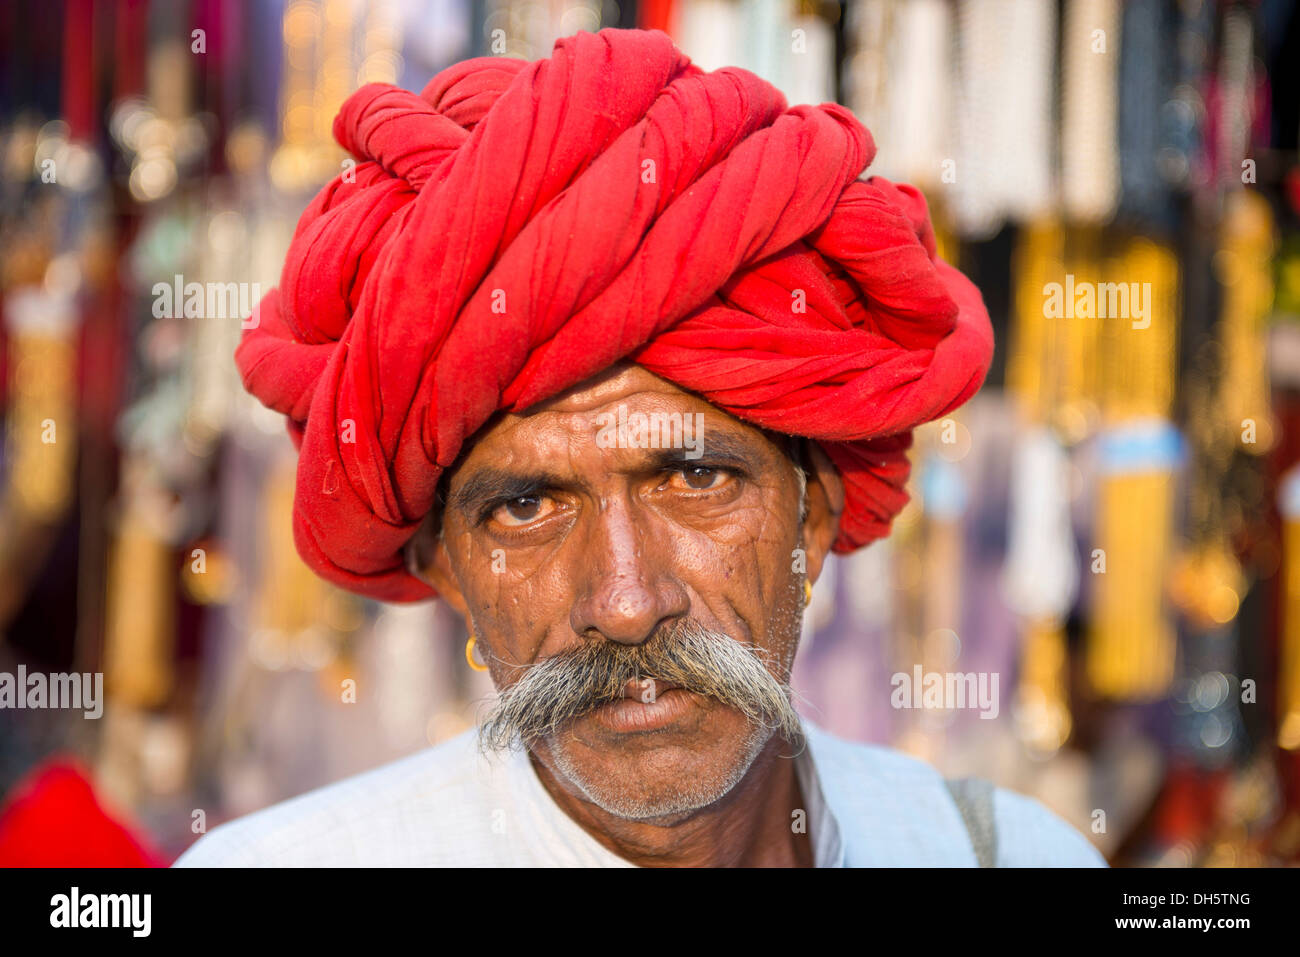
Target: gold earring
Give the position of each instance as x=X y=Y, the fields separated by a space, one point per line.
x=469 y=654
x=807 y=592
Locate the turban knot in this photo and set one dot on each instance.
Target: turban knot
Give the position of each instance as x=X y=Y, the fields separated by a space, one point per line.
x=519 y=227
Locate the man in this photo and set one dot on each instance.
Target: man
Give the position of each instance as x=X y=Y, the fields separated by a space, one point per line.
x=610 y=353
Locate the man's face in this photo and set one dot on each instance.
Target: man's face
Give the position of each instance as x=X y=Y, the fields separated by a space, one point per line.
x=554 y=537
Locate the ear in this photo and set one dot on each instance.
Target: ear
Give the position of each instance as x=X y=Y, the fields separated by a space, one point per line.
x=825 y=506
x=427 y=560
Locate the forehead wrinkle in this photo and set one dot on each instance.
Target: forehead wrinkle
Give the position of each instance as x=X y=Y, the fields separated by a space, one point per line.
x=621 y=380
x=565 y=435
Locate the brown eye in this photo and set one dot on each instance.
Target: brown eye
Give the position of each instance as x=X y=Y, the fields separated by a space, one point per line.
x=700 y=478
x=523 y=510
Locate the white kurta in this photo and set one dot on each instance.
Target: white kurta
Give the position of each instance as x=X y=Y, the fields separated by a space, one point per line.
x=451 y=806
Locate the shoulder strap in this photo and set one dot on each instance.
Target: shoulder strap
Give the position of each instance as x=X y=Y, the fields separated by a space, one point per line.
x=974 y=799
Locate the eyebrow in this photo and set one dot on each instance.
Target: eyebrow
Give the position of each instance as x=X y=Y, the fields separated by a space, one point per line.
x=491 y=484
x=499 y=485
x=719 y=448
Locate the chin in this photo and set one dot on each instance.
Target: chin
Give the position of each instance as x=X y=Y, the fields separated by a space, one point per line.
x=661 y=777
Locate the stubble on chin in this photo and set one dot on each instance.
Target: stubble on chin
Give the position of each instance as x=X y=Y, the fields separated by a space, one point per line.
x=637 y=790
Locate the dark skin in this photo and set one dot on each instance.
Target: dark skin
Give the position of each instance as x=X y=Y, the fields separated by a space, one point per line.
x=610 y=544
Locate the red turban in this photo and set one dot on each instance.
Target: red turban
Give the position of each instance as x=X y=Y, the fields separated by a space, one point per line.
x=519 y=227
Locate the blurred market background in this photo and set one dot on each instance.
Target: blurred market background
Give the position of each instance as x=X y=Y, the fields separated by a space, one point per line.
x=1112 y=526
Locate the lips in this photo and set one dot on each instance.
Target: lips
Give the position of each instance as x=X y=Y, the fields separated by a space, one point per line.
x=630 y=713
x=646 y=689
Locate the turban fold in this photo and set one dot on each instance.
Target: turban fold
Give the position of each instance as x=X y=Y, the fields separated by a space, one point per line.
x=519 y=227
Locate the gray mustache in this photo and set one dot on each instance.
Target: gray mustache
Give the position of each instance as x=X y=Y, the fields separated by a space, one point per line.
x=568 y=685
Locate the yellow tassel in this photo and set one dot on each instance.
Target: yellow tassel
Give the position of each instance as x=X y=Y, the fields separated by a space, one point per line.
x=1130 y=652
x=1244 y=265
x=42 y=423
x=1288 y=685
x=138 y=668
x=1047 y=378
x=1131 y=641
x=1042 y=703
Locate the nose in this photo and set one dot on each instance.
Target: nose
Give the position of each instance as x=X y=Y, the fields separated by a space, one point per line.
x=629 y=590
